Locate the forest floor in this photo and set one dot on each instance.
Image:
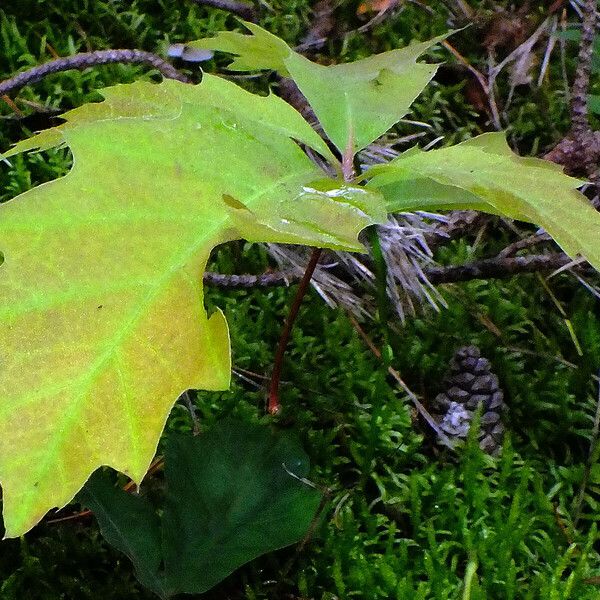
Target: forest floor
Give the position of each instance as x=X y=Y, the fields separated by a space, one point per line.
x=406 y=518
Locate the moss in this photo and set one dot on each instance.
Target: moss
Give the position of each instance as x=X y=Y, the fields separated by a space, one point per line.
x=405 y=519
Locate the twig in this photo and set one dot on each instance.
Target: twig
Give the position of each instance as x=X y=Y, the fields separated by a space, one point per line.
x=527 y=242
x=289 y=91
x=271 y=279
x=517 y=55
x=193 y=412
x=90 y=59
x=563 y=55
x=579 y=150
x=498 y=267
x=579 y=113
x=241 y=9
x=18 y=112
x=375 y=20
x=37 y=107
x=552 y=38
x=274 y=405
x=479 y=76
x=518 y=52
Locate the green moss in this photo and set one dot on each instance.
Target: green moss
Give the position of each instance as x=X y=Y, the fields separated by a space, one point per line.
x=406 y=519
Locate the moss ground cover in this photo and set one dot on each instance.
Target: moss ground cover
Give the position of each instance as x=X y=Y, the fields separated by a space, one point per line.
x=405 y=518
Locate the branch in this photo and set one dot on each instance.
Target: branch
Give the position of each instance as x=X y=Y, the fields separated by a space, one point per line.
x=91 y=59
x=579 y=112
x=270 y=279
x=241 y=9
x=531 y=240
x=498 y=267
x=579 y=151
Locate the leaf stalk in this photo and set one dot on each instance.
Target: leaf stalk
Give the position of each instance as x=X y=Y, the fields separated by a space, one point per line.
x=274 y=405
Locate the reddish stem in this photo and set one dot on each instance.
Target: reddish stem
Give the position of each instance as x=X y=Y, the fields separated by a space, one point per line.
x=274 y=405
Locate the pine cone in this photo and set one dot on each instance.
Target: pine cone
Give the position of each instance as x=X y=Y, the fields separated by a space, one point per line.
x=469 y=384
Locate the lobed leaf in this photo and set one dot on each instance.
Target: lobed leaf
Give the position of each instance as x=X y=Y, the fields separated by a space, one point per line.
x=232 y=494
x=101 y=318
x=355 y=102
x=260 y=51
x=483 y=173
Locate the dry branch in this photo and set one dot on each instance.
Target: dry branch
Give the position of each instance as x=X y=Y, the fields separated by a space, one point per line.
x=579 y=112
x=90 y=59
x=498 y=267
x=579 y=151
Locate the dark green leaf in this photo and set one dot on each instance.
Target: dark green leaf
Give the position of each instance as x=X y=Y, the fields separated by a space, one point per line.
x=130 y=524
x=233 y=494
x=231 y=498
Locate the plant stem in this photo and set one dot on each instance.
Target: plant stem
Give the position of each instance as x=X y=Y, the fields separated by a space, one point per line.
x=381 y=274
x=274 y=405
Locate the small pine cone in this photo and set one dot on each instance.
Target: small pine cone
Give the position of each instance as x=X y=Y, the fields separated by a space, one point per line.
x=469 y=384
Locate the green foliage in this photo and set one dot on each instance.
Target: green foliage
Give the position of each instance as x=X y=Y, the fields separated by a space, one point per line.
x=408 y=520
x=484 y=173
x=116 y=311
x=134 y=328
x=356 y=102
x=362 y=442
x=232 y=494
x=425 y=530
x=359 y=432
